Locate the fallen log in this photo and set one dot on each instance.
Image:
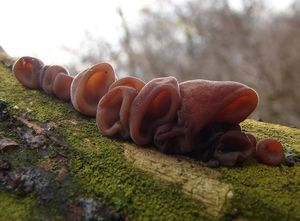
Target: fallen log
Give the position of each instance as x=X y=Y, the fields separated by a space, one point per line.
x=62 y=168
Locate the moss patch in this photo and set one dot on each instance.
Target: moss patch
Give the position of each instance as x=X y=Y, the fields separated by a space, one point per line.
x=262 y=192
x=17 y=208
x=289 y=137
x=101 y=171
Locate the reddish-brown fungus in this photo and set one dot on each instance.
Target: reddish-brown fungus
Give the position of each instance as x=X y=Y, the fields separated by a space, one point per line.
x=204 y=102
x=232 y=148
x=28 y=70
x=269 y=151
x=114 y=107
x=208 y=138
x=49 y=76
x=113 y=111
x=197 y=117
x=129 y=82
x=62 y=85
x=156 y=104
x=41 y=75
x=89 y=86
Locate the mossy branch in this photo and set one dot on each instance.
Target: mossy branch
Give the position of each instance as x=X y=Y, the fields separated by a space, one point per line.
x=88 y=170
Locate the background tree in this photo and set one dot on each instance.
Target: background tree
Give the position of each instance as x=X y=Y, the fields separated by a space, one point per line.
x=211 y=40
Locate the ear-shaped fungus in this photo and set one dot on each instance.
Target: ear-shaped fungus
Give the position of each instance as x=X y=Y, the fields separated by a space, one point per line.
x=233 y=147
x=49 y=76
x=269 y=151
x=129 y=82
x=156 y=104
x=41 y=75
x=89 y=86
x=113 y=111
x=114 y=107
x=28 y=70
x=202 y=103
x=62 y=86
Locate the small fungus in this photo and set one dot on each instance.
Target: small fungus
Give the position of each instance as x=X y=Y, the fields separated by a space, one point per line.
x=269 y=151
x=114 y=108
x=130 y=82
x=49 y=76
x=28 y=70
x=62 y=86
x=113 y=111
x=89 y=86
x=156 y=104
x=233 y=148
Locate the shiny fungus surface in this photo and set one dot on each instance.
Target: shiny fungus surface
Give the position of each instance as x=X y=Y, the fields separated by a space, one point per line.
x=269 y=151
x=113 y=111
x=49 y=77
x=62 y=86
x=28 y=70
x=132 y=82
x=89 y=86
x=199 y=118
x=156 y=104
x=202 y=103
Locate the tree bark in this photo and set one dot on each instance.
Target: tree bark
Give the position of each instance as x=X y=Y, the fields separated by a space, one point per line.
x=61 y=168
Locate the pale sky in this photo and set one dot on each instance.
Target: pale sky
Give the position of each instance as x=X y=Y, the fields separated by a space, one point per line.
x=41 y=27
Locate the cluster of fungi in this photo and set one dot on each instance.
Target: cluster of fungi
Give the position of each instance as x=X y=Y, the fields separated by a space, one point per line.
x=199 y=118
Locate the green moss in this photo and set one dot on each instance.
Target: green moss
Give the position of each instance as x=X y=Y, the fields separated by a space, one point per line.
x=262 y=192
x=289 y=137
x=101 y=171
x=17 y=208
x=265 y=193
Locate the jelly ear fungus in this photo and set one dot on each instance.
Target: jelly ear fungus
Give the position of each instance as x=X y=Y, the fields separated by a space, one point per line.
x=28 y=70
x=198 y=117
x=114 y=108
x=62 y=86
x=49 y=77
x=203 y=103
x=269 y=151
x=89 y=86
x=156 y=104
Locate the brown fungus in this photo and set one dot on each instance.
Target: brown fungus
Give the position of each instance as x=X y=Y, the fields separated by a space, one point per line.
x=129 y=82
x=49 y=76
x=269 y=151
x=89 y=86
x=202 y=103
x=113 y=111
x=156 y=104
x=42 y=75
x=197 y=117
x=28 y=70
x=208 y=138
x=233 y=148
x=114 y=107
x=62 y=86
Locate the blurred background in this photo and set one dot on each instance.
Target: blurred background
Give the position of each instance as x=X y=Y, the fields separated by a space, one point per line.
x=255 y=42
